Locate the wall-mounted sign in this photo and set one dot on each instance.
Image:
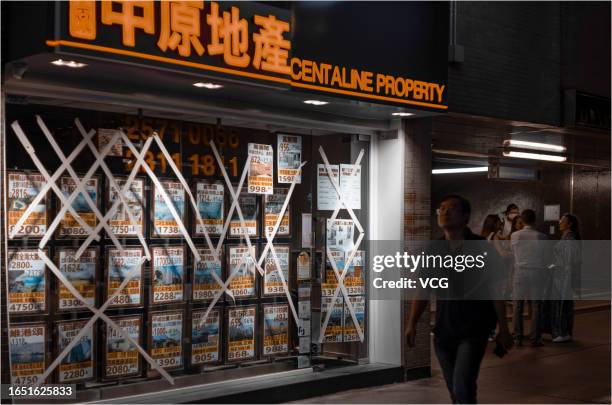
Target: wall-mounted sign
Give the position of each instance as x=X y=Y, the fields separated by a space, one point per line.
x=348 y=56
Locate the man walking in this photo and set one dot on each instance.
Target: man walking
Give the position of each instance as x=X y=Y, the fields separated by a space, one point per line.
x=462 y=326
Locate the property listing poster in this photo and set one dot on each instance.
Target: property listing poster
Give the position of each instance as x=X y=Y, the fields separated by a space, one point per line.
x=22 y=189
x=330 y=282
x=275 y=329
x=272 y=208
x=122 y=357
x=118 y=267
x=250 y=212
x=164 y=223
x=242 y=284
x=26 y=282
x=205 y=287
x=68 y=226
x=350 y=331
x=78 y=365
x=261 y=169
x=354 y=280
x=303 y=266
x=27 y=351
x=105 y=135
x=166 y=335
x=350 y=185
x=289 y=158
x=205 y=337
x=333 y=332
x=327 y=197
x=241 y=336
x=304 y=292
x=120 y=223
x=209 y=197
x=168 y=274
x=340 y=234
x=81 y=273
x=273 y=284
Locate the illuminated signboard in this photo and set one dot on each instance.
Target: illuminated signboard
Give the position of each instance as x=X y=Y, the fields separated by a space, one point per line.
x=257 y=42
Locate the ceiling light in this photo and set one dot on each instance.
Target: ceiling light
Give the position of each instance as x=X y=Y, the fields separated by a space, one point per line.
x=209 y=86
x=316 y=102
x=535 y=156
x=535 y=145
x=402 y=114
x=68 y=63
x=477 y=169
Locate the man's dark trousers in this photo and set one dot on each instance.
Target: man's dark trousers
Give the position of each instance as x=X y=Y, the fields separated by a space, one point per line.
x=460 y=360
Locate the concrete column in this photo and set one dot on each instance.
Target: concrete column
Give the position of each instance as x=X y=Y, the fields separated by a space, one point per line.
x=417 y=227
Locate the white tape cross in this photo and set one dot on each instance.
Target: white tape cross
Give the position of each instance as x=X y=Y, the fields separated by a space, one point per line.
x=235 y=202
x=342 y=201
x=51 y=180
x=120 y=195
x=97 y=313
x=111 y=212
x=79 y=187
x=181 y=179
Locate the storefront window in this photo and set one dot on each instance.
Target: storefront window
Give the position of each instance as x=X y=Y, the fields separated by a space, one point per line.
x=137 y=273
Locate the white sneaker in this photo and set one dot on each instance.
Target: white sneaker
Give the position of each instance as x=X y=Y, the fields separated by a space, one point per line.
x=561 y=339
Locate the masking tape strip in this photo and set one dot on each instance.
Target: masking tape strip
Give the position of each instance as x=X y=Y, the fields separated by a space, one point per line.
x=120 y=195
x=340 y=277
x=225 y=287
x=164 y=194
x=181 y=179
x=351 y=256
x=111 y=212
x=281 y=214
x=98 y=313
x=270 y=246
x=79 y=186
x=235 y=198
x=51 y=180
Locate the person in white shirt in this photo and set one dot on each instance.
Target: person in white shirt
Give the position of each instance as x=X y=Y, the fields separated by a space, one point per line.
x=530 y=262
x=512 y=211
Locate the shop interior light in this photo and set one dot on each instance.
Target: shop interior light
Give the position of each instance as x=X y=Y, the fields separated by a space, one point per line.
x=535 y=156
x=477 y=169
x=209 y=86
x=402 y=114
x=68 y=63
x=534 y=145
x=316 y=102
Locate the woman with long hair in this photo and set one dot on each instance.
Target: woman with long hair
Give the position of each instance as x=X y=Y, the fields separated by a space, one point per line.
x=567 y=258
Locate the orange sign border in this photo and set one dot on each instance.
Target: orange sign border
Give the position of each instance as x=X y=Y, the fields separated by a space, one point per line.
x=202 y=66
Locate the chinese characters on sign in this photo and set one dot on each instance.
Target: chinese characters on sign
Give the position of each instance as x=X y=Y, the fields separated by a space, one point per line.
x=188 y=27
x=237 y=38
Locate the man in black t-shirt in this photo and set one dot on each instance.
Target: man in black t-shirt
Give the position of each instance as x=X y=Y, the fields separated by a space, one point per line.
x=464 y=315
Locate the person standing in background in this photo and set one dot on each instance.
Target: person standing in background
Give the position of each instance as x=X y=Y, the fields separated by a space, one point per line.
x=567 y=258
x=512 y=211
x=530 y=262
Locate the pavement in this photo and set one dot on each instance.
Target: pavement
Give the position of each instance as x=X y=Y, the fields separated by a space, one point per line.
x=573 y=372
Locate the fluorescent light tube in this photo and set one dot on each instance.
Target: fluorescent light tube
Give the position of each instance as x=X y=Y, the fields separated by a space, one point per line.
x=535 y=156
x=478 y=169
x=534 y=145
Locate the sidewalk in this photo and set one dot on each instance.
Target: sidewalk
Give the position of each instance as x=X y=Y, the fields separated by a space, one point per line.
x=576 y=372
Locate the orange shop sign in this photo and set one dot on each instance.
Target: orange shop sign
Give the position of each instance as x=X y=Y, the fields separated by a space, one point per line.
x=242 y=39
